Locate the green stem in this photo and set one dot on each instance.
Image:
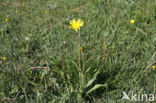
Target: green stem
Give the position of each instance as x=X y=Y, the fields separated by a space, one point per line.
x=80 y=71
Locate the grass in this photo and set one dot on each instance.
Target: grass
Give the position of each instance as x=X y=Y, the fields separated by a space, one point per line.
x=116 y=55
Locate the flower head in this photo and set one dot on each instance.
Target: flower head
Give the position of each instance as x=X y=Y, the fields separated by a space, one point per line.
x=3 y=58
x=16 y=11
x=6 y=20
x=103 y=58
x=153 y=67
x=132 y=21
x=81 y=49
x=76 y=24
x=46 y=11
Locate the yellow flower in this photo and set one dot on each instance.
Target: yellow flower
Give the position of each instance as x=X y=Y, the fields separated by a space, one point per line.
x=6 y=20
x=76 y=24
x=4 y=58
x=23 y=4
x=132 y=21
x=16 y=11
x=81 y=49
x=46 y=11
x=103 y=58
x=154 y=67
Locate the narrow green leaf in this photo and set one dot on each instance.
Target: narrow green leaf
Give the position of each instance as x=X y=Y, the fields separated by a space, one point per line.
x=96 y=87
x=93 y=79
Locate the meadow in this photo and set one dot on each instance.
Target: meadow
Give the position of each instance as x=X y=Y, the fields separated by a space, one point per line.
x=77 y=51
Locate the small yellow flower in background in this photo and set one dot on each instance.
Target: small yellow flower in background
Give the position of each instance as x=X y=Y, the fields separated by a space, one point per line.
x=46 y=11
x=81 y=49
x=6 y=20
x=153 y=67
x=103 y=58
x=76 y=24
x=23 y=4
x=132 y=21
x=4 y=58
x=16 y=11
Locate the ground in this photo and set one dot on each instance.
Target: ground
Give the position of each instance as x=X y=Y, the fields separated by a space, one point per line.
x=42 y=60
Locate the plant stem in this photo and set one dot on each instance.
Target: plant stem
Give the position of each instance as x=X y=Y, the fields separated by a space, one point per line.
x=80 y=71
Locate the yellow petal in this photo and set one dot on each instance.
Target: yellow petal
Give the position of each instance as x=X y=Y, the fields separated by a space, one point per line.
x=3 y=58
x=80 y=22
x=76 y=29
x=72 y=21
x=6 y=19
x=153 y=67
x=132 y=21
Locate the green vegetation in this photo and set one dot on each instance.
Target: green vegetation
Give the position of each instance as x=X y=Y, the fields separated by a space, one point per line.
x=44 y=62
